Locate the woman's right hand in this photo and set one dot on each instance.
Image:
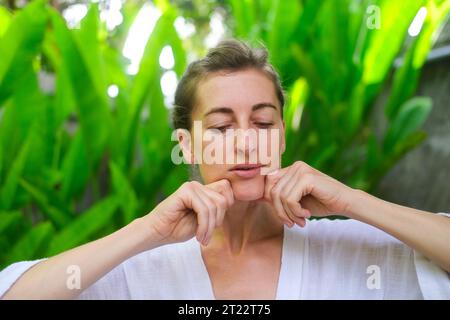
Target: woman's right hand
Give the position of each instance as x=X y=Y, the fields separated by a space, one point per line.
x=193 y=209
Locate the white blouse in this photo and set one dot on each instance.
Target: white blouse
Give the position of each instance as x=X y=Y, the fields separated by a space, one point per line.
x=328 y=259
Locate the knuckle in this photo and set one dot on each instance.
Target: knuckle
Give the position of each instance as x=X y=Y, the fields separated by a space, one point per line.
x=185 y=185
x=307 y=177
x=299 y=163
x=196 y=183
x=190 y=184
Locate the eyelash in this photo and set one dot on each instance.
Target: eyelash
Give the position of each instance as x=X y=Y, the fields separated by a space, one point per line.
x=265 y=124
x=261 y=124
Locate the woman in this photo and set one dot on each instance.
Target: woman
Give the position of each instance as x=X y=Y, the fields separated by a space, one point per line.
x=256 y=241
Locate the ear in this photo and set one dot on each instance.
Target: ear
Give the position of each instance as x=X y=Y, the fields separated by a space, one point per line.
x=185 y=143
x=283 y=138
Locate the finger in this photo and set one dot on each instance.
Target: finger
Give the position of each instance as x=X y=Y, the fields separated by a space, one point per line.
x=280 y=191
x=300 y=190
x=221 y=203
x=202 y=212
x=275 y=195
x=223 y=187
x=294 y=197
x=271 y=180
x=212 y=209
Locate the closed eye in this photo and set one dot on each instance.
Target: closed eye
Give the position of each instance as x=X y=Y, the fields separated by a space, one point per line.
x=221 y=128
x=264 y=124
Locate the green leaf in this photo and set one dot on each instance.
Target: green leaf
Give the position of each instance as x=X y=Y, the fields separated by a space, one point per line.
x=386 y=42
x=92 y=107
x=244 y=18
x=5 y=20
x=283 y=18
x=12 y=225
x=9 y=219
x=88 y=41
x=125 y=193
x=411 y=116
x=144 y=84
x=20 y=44
x=85 y=226
x=9 y=188
x=58 y=217
x=294 y=109
x=75 y=168
x=32 y=245
x=407 y=76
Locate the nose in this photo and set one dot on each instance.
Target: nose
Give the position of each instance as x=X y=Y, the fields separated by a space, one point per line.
x=246 y=141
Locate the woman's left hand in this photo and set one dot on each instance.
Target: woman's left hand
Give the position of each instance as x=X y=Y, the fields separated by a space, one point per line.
x=300 y=191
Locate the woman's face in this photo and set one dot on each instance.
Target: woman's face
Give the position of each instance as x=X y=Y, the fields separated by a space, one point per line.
x=244 y=100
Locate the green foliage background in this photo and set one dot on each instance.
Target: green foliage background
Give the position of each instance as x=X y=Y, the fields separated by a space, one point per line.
x=76 y=164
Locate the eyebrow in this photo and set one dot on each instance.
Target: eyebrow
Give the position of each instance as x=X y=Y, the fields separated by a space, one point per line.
x=229 y=110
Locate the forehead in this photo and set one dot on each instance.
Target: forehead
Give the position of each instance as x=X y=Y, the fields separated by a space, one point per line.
x=237 y=89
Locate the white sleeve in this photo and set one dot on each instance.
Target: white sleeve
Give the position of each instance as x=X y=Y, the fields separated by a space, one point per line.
x=111 y=286
x=433 y=280
x=13 y=272
x=350 y=246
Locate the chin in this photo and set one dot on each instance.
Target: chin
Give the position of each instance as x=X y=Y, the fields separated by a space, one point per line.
x=248 y=190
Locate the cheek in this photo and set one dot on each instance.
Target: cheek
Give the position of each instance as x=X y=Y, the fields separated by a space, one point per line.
x=213 y=172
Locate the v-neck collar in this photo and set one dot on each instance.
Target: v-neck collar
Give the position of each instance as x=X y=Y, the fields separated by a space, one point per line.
x=289 y=281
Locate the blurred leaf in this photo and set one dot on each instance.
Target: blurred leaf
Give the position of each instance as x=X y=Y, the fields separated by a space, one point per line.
x=94 y=121
x=32 y=245
x=145 y=84
x=407 y=76
x=85 y=226
x=125 y=193
x=12 y=225
x=411 y=116
x=20 y=44
x=9 y=187
x=58 y=217
x=88 y=43
x=283 y=18
x=5 y=20
x=385 y=43
x=75 y=168
x=244 y=16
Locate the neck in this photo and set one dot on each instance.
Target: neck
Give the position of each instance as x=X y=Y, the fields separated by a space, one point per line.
x=245 y=223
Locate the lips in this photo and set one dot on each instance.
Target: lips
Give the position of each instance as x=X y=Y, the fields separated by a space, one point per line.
x=246 y=167
x=246 y=170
